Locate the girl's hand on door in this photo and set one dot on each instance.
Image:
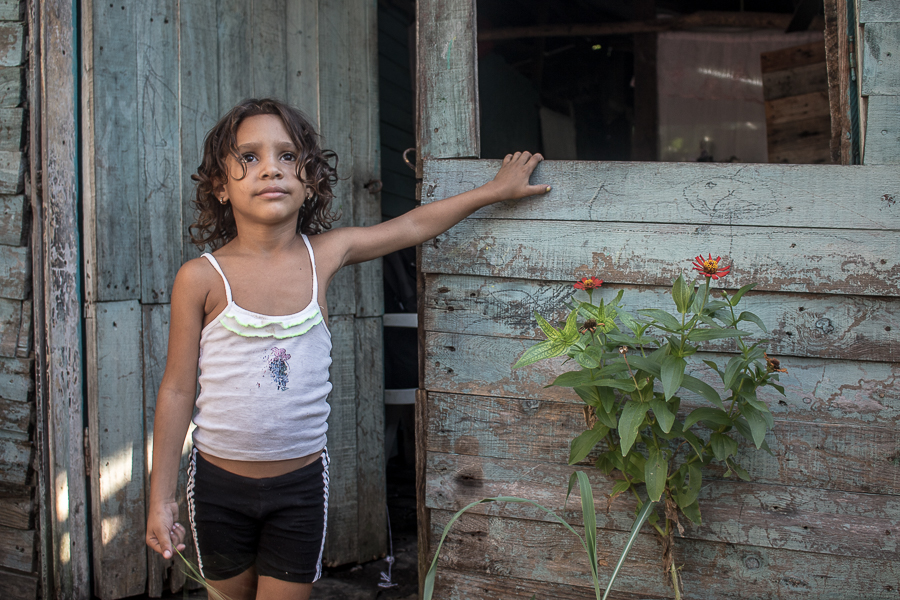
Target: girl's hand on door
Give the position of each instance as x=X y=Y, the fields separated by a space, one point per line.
x=511 y=182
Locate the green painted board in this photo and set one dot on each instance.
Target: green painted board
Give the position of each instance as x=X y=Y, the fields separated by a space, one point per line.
x=766 y=195
x=12 y=44
x=879 y=11
x=881 y=60
x=268 y=48
x=12 y=172
x=11 y=86
x=883 y=131
x=234 y=79
x=15 y=272
x=15 y=461
x=12 y=128
x=12 y=215
x=302 y=23
x=10 y=322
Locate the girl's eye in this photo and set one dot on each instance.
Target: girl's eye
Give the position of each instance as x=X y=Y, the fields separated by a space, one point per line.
x=289 y=156
x=247 y=158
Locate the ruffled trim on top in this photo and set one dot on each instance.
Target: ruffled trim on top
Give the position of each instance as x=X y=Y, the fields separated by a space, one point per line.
x=247 y=324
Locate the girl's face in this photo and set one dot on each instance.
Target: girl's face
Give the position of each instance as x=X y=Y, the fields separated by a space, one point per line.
x=270 y=192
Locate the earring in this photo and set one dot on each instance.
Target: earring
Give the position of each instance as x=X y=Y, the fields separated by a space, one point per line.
x=223 y=201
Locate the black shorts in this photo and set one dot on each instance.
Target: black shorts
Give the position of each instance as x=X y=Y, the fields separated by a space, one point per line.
x=276 y=523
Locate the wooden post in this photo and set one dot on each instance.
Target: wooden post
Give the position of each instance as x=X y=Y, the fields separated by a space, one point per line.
x=644 y=143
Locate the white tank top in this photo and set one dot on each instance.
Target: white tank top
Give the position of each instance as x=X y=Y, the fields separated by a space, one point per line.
x=263 y=381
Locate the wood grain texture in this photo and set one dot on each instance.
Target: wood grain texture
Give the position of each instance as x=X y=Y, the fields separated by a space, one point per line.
x=838 y=65
x=112 y=208
x=11 y=86
x=840 y=457
x=199 y=101
x=15 y=461
x=883 y=131
x=423 y=513
x=12 y=172
x=11 y=10
x=12 y=215
x=881 y=60
x=25 y=342
x=16 y=417
x=234 y=80
x=862 y=393
x=68 y=565
x=16 y=381
x=12 y=44
x=543 y=552
x=685 y=193
x=12 y=128
x=18 y=586
x=462 y=585
x=791 y=58
x=17 y=549
x=847 y=327
x=15 y=272
x=342 y=541
x=734 y=512
x=370 y=462
x=447 y=80
x=302 y=23
x=268 y=48
x=16 y=512
x=797 y=107
x=795 y=81
x=159 y=152
x=878 y=11
x=10 y=320
x=116 y=424
x=776 y=258
x=804 y=141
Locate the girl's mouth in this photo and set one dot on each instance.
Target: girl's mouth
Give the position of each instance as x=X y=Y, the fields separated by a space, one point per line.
x=272 y=192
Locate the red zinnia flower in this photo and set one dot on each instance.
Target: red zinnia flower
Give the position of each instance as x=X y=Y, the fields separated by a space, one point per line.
x=710 y=267
x=588 y=283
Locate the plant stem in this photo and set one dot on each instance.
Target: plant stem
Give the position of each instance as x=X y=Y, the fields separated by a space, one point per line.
x=675 y=581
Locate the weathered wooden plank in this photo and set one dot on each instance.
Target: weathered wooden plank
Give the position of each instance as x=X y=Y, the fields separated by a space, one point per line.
x=878 y=11
x=268 y=48
x=16 y=511
x=18 y=586
x=459 y=585
x=795 y=81
x=12 y=215
x=116 y=424
x=11 y=86
x=12 y=44
x=447 y=79
x=302 y=19
x=544 y=552
x=10 y=320
x=16 y=381
x=862 y=393
x=776 y=258
x=796 y=108
x=687 y=193
x=805 y=141
x=112 y=219
x=838 y=65
x=342 y=542
x=12 y=128
x=847 y=327
x=68 y=562
x=849 y=458
x=734 y=512
x=17 y=549
x=16 y=416
x=234 y=80
x=883 y=131
x=15 y=461
x=881 y=60
x=370 y=462
x=159 y=153
x=10 y=10
x=791 y=58
x=24 y=343
x=12 y=172
x=336 y=112
x=198 y=81
x=15 y=272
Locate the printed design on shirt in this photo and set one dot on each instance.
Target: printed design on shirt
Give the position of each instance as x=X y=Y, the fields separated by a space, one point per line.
x=278 y=368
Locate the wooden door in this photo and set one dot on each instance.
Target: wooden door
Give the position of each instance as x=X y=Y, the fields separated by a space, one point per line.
x=818 y=518
x=156 y=77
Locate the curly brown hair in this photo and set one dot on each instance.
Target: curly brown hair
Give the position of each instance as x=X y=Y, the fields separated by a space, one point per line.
x=215 y=224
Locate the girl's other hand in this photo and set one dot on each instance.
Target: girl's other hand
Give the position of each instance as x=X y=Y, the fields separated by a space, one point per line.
x=511 y=182
x=163 y=532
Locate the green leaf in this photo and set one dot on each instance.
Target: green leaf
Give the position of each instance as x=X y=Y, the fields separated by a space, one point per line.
x=570 y=331
x=655 y=473
x=662 y=317
x=712 y=365
x=630 y=423
x=589 y=394
x=723 y=445
x=590 y=521
x=607 y=398
x=642 y=516
x=741 y=471
x=546 y=349
x=671 y=373
x=749 y=316
x=740 y=293
x=699 y=386
x=582 y=445
x=695 y=442
x=735 y=364
x=681 y=294
x=664 y=416
x=646 y=364
x=619 y=487
x=586 y=377
x=715 y=416
x=586 y=360
x=549 y=330
x=629 y=322
x=692 y=512
x=705 y=335
x=608 y=418
x=758 y=424
x=749 y=395
x=691 y=491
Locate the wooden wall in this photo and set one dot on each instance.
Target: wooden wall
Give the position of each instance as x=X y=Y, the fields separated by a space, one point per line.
x=19 y=562
x=820 y=519
x=156 y=76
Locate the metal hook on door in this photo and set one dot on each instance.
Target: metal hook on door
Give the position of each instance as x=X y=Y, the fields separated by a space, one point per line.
x=406 y=158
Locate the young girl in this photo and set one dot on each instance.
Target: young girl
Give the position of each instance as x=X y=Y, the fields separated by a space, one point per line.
x=258 y=477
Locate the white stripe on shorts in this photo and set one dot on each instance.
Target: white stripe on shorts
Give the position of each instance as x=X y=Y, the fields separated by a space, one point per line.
x=325 y=480
x=192 y=470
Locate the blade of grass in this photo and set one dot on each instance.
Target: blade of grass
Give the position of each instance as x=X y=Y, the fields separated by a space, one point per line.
x=191 y=572
x=639 y=521
x=590 y=526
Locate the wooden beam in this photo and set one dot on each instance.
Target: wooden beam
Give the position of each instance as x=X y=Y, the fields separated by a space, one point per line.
x=743 y=20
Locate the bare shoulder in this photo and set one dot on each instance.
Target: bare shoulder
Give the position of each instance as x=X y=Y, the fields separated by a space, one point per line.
x=331 y=247
x=195 y=279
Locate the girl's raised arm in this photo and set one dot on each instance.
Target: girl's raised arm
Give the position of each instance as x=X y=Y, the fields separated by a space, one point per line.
x=360 y=244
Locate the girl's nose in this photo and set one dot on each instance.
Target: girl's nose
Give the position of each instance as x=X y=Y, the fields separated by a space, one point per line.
x=271 y=169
